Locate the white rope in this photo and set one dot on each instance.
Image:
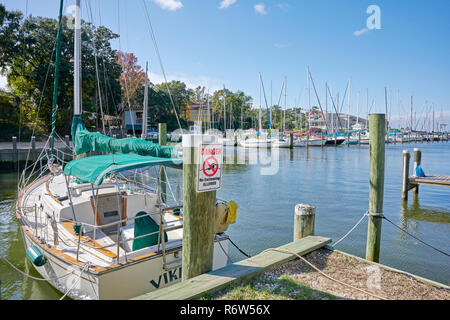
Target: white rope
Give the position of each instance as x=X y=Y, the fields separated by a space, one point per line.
x=77 y=281
x=351 y=230
x=30 y=276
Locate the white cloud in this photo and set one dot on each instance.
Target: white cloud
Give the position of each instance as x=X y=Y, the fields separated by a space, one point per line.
x=360 y=32
x=226 y=3
x=191 y=81
x=171 y=5
x=284 y=6
x=260 y=8
x=282 y=45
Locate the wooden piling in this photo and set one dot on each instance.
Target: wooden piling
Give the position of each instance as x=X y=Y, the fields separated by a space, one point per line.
x=162 y=140
x=417 y=160
x=405 y=175
x=377 y=124
x=291 y=140
x=304 y=218
x=199 y=210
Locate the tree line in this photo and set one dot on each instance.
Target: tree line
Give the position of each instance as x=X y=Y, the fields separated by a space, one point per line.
x=111 y=79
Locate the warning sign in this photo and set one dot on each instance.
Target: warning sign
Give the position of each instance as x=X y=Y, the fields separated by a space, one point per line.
x=209 y=167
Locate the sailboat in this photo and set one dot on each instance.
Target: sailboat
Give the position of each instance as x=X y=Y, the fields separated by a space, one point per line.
x=100 y=227
x=260 y=138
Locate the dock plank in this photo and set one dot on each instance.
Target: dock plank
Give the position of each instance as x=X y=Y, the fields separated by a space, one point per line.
x=439 y=180
x=213 y=281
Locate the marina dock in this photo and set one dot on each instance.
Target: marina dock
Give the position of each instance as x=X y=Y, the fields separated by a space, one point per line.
x=413 y=182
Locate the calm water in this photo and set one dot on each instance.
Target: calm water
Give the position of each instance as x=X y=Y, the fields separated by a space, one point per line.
x=335 y=180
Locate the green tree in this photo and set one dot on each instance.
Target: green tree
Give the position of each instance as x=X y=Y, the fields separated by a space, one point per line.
x=29 y=66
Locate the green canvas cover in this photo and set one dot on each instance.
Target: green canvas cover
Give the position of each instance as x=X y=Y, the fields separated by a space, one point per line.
x=85 y=141
x=143 y=226
x=96 y=168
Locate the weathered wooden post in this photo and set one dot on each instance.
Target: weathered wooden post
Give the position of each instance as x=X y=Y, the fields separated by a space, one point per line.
x=15 y=153
x=377 y=124
x=162 y=140
x=199 y=210
x=291 y=140
x=304 y=218
x=417 y=160
x=405 y=175
x=33 y=148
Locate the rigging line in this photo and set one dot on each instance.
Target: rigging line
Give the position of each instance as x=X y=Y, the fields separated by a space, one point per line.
x=23 y=77
x=149 y=24
x=267 y=107
x=334 y=106
x=96 y=68
x=318 y=100
x=373 y=100
x=39 y=107
x=125 y=71
x=445 y=253
x=343 y=98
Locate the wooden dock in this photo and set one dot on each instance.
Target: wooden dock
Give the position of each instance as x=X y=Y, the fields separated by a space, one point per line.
x=15 y=153
x=197 y=287
x=413 y=182
x=432 y=180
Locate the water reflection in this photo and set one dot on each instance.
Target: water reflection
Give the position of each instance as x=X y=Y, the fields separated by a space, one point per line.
x=424 y=213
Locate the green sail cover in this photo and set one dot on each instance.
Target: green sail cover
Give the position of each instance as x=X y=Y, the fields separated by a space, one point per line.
x=85 y=141
x=96 y=168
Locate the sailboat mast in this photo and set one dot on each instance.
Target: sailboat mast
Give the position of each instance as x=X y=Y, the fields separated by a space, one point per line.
x=77 y=59
x=326 y=104
x=367 y=106
x=259 y=118
x=224 y=111
x=285 y=103
x=348 y=114
x=357 y=112
x=145 y=113
x=55 y=86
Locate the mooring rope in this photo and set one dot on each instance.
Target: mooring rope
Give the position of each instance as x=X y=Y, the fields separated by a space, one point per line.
x=429 y=245
x=77 y=281
x=324 y=274
x=30 y=276
x=351 y=230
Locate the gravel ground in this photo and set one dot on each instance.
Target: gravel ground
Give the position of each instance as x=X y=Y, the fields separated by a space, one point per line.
x=292 y=279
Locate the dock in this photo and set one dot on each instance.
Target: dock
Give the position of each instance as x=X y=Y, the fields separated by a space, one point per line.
x=213 y=281
x=413 y=182
x=13 y=153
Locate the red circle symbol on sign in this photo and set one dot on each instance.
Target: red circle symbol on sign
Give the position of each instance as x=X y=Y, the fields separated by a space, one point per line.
x=210 y=164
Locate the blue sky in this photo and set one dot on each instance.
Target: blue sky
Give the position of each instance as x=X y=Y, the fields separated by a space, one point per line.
x=217 y=42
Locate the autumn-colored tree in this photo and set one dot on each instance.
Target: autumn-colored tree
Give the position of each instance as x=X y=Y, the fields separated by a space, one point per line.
x=131 y=79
